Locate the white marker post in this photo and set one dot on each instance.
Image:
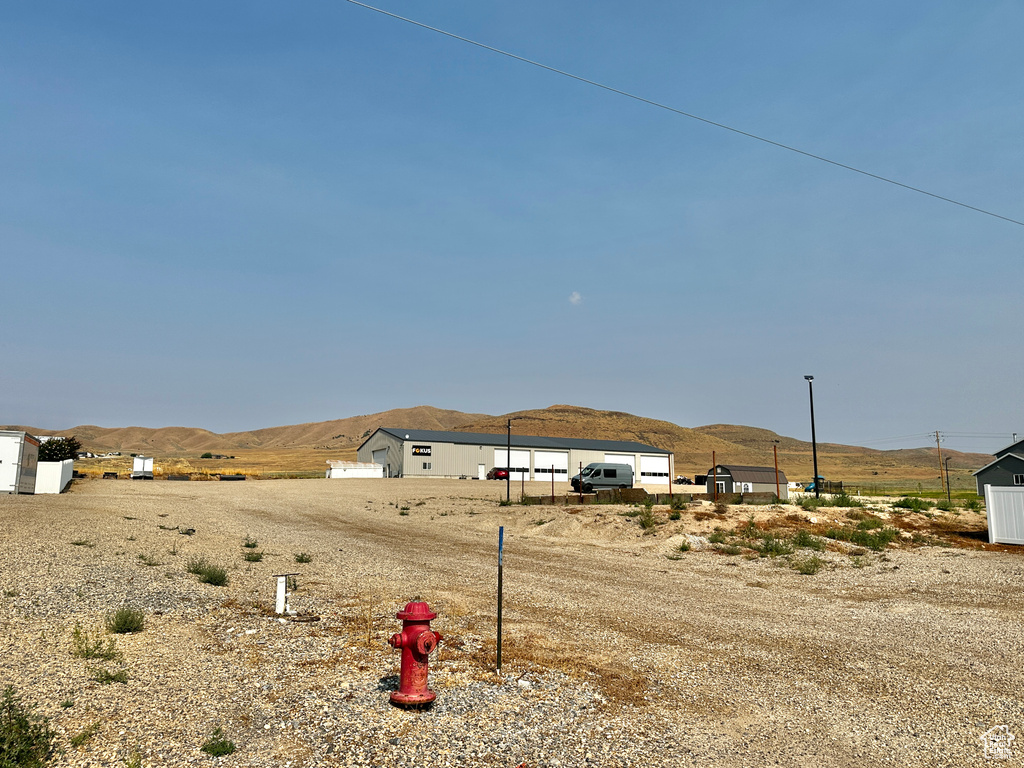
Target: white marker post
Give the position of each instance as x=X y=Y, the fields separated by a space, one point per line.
x=282 y=606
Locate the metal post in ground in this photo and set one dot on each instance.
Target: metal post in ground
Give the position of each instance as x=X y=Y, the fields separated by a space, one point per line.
x=814 y=439
x=501 y=550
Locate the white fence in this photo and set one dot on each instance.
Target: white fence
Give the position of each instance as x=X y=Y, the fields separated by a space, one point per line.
x=1005 y=507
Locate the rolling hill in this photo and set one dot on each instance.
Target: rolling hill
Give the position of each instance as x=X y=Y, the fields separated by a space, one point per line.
x=693 y=447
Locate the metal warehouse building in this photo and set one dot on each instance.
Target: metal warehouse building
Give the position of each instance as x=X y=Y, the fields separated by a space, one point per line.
x=432 y=453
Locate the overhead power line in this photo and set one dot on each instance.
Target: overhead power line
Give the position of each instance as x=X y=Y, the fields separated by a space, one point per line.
x=690 y=115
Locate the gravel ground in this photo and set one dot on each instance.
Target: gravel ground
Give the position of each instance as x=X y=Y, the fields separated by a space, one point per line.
x=618 y=649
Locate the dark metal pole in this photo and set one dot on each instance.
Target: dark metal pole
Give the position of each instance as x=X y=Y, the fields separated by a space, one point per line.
x=775 y=450
x=508 y=461
x=501 y=550
x=949 y=493
x=814 y=439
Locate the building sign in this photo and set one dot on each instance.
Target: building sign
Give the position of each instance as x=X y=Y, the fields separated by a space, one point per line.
x=421 y=450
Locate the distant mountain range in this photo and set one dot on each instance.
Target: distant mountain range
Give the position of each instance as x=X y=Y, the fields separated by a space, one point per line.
x=693 y=447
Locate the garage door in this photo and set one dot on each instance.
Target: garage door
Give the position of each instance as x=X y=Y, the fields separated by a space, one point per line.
x=622 y=458
x=543 y=461
x=519 y=465
x=654 y=469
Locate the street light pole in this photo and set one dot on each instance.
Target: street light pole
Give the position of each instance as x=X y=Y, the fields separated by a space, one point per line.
x=814 y=440
x=775 y=450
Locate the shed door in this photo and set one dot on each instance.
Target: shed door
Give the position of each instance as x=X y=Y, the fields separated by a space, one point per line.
x=654 y=469
x=519 y=466
x=543 y=461
x=621 y=458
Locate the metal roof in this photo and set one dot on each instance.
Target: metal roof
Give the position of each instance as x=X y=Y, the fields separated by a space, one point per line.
x=751 y=474
x=518 y=441
x=1016 y=456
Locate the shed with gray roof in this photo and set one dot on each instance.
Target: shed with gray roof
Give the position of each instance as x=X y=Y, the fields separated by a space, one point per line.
x=437 y=453
x=732 y=478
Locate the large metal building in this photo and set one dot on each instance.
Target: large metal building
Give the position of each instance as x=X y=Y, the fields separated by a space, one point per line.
x=433 y=453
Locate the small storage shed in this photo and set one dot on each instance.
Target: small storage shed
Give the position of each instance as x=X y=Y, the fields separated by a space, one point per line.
x=142 y=468
x=19 y=455
x=340 y=469
x=54 y=476
x=732 y=478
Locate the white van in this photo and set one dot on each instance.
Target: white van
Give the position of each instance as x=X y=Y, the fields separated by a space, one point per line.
x=600 y=475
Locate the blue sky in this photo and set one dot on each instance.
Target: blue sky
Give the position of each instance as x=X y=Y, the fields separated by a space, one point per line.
x=238 y=215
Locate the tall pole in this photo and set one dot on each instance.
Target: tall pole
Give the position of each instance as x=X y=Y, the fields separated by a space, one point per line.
x=949 y=493
x=501 y=552
x=814 y=439
x=508 y=469
x=939 y=449
x=775 y=450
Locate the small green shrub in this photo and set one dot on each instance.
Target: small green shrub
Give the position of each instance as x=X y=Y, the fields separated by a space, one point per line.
x=803 y=539
x=303 y=557
x=82 y=543
x=85 y=734
x=106 y=677
x=684 y=546
x=876 y=541
x=646 y=518
x=26 y=740
x=870 y=523
x=207 y=572
x=125 y=620
x=729 y=549
x=148 y=559
x=250 y=543
x=749 y=530
x=974 y=505
x=945 y=506
x=770 y=546
x=721 y=507
x=677 y=503
x=253 y=557
x=675 y=514
x=217 y=745
x=85 y=645
x=404 y=513
x=912 y=503
x=808 y=566
x=718 y=537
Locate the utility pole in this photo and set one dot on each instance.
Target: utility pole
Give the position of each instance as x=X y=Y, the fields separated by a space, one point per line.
x=939 y=449
x=508 y=472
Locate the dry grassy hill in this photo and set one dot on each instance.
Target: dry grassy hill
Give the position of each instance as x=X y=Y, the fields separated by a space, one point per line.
x=305 y=447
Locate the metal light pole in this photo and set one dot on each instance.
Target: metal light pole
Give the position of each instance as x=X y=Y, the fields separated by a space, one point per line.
x=814 y=440
x=775 y=450
x=508 y=470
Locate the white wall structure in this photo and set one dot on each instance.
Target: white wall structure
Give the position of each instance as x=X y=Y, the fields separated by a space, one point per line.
x=142 y=467
x=1005 y=508
x=342 y=469
x=19 y=455
x=54 y=476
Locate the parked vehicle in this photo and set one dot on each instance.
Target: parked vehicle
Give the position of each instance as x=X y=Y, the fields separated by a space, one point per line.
x=682 y=480
x=600 y=475
x=810 y=486
x=498 y=473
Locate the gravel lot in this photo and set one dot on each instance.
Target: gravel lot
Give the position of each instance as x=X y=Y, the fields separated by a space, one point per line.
x=619 y=650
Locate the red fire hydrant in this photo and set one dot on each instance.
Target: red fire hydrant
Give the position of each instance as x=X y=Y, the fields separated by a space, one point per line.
x=416 y=640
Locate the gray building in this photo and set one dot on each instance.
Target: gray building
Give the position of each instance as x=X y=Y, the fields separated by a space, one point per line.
x=433 y=453
x=732 y=478
x=1006 y=471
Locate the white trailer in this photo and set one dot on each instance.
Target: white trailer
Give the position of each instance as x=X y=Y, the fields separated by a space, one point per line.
x=339 y=469
x=142 y=468
x=19 y=455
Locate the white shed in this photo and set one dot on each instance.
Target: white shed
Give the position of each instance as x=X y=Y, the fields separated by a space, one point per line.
x=338 y=469
x=54 y=476
x=19 y=455
x=142 y=468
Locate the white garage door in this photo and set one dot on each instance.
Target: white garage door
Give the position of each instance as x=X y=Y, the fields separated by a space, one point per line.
x=621 y=458
x=654 y=469
x=519 y=465
x=543 y=461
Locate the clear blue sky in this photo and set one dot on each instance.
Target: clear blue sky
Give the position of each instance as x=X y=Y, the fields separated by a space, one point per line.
x=236 y=215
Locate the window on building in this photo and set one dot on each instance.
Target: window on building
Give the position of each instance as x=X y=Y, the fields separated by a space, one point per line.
x=1018 y=479
x=720 y=486
x=426 y=465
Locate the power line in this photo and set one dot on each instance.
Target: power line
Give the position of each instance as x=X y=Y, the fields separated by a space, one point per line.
x=690 y=115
